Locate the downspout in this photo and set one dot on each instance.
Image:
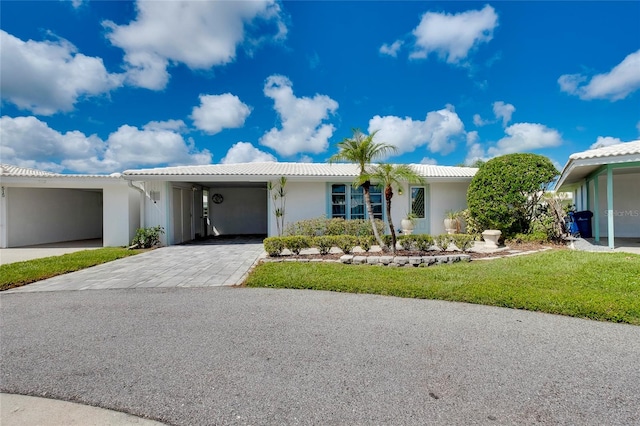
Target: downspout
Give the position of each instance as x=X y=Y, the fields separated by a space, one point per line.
x=142 y=201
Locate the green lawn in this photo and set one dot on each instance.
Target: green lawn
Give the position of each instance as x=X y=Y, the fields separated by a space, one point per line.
x=599 y=286
x=21 y=273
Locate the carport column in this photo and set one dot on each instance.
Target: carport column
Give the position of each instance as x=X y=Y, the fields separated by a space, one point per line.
x=115 y=216
x=610 y=230
x=3 y=216
x=596 y=207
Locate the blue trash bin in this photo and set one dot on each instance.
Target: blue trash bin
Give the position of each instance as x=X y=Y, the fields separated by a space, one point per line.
x=583 y=220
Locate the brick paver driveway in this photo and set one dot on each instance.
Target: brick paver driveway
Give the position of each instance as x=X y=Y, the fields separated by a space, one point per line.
x=210 y=263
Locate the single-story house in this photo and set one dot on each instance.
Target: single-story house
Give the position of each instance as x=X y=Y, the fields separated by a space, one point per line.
x=232 y=199
x=198 y=201
x=38 y=207
x=606 y=181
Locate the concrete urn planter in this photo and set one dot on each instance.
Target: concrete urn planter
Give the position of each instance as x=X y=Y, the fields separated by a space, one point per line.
x=491 y=238
x=407 y=226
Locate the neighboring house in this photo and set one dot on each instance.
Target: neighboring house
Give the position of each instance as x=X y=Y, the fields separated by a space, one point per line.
x=606 y=181
x=230 y=199
x=39 y=207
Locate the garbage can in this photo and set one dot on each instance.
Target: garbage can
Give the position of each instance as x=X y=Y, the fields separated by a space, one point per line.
x=583 y=220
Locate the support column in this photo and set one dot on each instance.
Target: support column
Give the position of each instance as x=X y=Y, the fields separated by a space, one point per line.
x=596 y=208
x=610 y=217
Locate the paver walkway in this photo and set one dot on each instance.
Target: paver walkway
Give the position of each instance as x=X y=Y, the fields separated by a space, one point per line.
x=212 y=263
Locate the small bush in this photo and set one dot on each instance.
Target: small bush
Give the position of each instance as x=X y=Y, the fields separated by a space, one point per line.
x=336 y=226
x=147 y=237
x=387 y=240
x=346 y=243
x=462 y=241
x=534 y=237
x=442 y=241
x=365 y=243
x=295 y=243
x=324 y=243
x=423 y=242
x=406 y=241
x=273 y=246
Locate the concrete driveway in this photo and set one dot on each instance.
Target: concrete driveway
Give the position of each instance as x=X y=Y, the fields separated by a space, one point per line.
x=19 y=254
x=204 y=356
x=204 y=264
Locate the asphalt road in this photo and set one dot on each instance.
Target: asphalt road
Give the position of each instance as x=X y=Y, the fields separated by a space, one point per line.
x=201 y=356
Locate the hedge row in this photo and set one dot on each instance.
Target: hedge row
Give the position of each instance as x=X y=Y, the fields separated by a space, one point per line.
x=421 y=242
x=335 y=226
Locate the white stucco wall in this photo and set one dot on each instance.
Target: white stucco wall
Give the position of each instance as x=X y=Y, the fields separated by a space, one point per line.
x=305 y=200
x=156 y=211
x=445 y=196
x=626 y=205
x=243 y=211
x=120 y=209
x=47 y=215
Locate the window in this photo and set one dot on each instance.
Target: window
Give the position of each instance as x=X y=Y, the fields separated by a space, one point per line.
x=417 y=201
x=347 y=202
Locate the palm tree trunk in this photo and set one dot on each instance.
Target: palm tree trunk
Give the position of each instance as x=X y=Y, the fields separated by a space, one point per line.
x=367 y=201
x=388 y=194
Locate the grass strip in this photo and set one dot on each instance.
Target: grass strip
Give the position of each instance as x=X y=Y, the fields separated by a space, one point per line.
x=20 y=273
x=598 y=286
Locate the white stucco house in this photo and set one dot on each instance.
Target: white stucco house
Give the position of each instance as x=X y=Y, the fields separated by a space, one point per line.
x=606 y=181
x=197 y=201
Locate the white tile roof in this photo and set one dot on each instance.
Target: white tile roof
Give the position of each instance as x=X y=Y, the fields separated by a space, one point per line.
x=292 y=169
x=627 y=148
x=10 y=170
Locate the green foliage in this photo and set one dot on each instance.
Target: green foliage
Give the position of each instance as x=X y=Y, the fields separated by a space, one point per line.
x=533 y=237
x=600 y=286
x=366 y=242
x=147 y=237
x=20 y=273
x=273 y=246
x=505 y=191
x=336 y=226
x=324 y=243
x=387 y=239
x=407 y=241
x=346 y=243
x=462 y=241
x=278 y=194
x=442 y=241
x=295 y=243
x=424 y=242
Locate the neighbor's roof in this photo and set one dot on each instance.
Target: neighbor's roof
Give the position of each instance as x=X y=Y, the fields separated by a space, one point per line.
x=11 y=171
x=276 y=169
x=582 y=164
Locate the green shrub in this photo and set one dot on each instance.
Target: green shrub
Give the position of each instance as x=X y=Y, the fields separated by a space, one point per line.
x=335 y=226
x=147 y=237
x=387 y=240
x=406 y=241
x=366 y=242
x=442 y=241
x=295 y=243
x=273 y=245
x=324 y=243
x=534 y=237
x=462 y=241
x=423 y=242
x=346 y=243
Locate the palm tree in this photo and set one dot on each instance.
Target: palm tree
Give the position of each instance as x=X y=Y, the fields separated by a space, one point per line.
x=388 y=176
x=362 y=150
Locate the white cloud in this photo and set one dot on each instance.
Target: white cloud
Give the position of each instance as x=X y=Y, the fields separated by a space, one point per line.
x=522 y=137
x=452 y=36
x=429 y=161
x=29 y=142
x=472 y=137
x=302 y=128
x=617 y=84
x=199 y=34
x=245 y=152
x=217 y=112
x=50 y=76
x=438 y=132
x=391 y=49
x=305 y=159
x=479 y=122
x=475 y=152
x=603 y=141
x=503 y=111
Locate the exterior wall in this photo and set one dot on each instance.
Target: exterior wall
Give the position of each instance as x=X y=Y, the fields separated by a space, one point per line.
x=305 y=200
x=120 y=205
x=48 y=215
x=243 y=211
x=626 y=205
x=444 y=197
x=156 y=205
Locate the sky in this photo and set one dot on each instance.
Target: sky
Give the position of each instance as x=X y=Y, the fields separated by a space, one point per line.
x=106 y=86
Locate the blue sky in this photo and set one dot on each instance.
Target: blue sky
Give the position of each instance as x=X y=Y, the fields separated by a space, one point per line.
x=100 y=87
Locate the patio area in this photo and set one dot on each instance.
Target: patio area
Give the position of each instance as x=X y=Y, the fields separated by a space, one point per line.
x=626 y=245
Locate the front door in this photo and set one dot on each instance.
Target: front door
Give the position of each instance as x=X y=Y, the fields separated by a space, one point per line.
x=419 y=199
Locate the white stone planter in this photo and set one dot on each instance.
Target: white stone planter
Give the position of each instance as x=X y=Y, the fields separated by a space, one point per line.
x=491 y=238
x=407 y=226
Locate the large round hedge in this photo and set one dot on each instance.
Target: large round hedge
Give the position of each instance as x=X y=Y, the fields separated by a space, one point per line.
x=505 y=191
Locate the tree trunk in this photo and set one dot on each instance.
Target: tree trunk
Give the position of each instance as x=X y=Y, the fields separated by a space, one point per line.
x=367 y=201
x=388 y=192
